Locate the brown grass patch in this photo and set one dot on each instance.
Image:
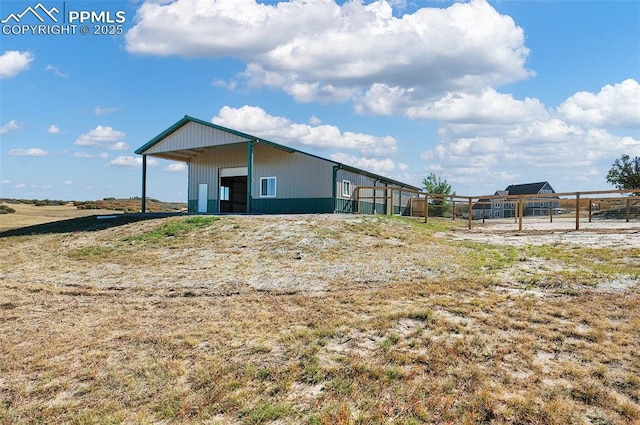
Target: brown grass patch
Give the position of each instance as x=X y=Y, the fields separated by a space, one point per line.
x=311 y=319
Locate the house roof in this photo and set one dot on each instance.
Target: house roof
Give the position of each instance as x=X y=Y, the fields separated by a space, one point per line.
x=526 y=189
x=192 y=152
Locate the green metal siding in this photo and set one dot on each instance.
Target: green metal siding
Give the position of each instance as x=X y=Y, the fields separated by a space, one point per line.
x=292 y=205
x=212 y=206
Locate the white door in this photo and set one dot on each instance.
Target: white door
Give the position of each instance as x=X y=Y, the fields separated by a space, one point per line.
x=203 y=190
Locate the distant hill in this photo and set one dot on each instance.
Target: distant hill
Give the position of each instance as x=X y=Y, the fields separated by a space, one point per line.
x=127 y=205
x=132 y=205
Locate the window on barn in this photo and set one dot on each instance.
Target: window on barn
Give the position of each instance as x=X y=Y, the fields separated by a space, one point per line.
x=267 y=187
x=346 y=189
x=224 y=193
x=496 y=213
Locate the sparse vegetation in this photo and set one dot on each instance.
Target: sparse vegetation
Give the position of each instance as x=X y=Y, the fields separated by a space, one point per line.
x=6 y=209
x=314 y=319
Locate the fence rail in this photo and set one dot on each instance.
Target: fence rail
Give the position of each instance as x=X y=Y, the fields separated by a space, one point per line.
x=416 y=203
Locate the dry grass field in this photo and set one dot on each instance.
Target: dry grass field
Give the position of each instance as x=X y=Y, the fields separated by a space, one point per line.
x=317 y=319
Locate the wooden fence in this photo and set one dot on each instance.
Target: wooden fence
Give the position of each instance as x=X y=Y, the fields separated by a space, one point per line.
x=419 y=203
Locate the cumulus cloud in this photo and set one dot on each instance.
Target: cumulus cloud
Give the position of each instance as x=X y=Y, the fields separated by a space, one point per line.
x=176 y=167
x=12 y=62
x=28 y=152
x=131 y=162
x=379 y=166
x=10 y=126
x=323 y=51
x=538 y=146
x=488 y=106
x=53 y=129
x=256 y=121
x=615 y=105
x=101 y=137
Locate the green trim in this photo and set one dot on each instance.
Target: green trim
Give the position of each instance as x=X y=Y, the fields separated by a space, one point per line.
x=334 y=189
x=212 y=206
x=293 y=205
x=249 y=173
x=187 y=119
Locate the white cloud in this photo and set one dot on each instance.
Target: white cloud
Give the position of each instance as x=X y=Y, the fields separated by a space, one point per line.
x=536 y=147
x=99 y=110
x=256 y=121
x=615 y=105
x=379 y=166
x=12 y=62
x=6 y=181
x=68 y=182
x=28 y=152
x=488 y=106
x=423 y=54
x=56 y=71
x=102 y=137
x=131 y=162
x=53 y=129
x=176 y=167
x=10 y=126
x=20 y=186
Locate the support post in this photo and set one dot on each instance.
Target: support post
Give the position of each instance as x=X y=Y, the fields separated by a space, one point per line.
x=590 y=210
x=628 y=213
x=520 y=211
x=483 y=213
x=577 y=211
x=143 y=208
x=357 y=200
x=453 y=214
x=426 y=208
x=249 y=173
x=551 y=211
x=470 y=213
x=374 y=196
x=392 y=206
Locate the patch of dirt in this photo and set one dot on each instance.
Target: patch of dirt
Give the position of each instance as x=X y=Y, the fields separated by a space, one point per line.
x=597 y=234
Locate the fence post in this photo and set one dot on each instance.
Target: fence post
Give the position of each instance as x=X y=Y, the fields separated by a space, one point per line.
x=426 y=208
x=520 y=211
x=578 y=211
x=590 y=210
x=469 y=212
x=483 y=213
x=357 y=206
x=392 y=209
x=628 y=213
x=453 y=213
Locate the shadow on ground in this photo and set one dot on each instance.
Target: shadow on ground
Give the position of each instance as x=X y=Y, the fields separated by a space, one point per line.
x=83 y=224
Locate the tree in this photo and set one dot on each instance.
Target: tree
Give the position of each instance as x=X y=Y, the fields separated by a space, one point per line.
x=433 y=184
x=625 y=173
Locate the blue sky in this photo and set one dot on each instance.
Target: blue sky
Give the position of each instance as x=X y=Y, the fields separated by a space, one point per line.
x=482 y=93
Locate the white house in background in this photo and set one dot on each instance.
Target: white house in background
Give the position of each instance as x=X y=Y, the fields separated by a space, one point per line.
x=231 y=171
x=502 y=205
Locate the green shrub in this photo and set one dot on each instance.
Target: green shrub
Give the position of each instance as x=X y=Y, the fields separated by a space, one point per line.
x=6 y=209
